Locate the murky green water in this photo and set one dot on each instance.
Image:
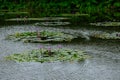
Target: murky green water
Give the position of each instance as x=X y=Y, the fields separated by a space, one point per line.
x=105 y=64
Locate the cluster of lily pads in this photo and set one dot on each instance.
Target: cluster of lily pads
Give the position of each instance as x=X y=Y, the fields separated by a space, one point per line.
x=106 y=35
x=40 y=36
x=49 y=55
x=106 y=24
x=38 y=19
x=55 y=23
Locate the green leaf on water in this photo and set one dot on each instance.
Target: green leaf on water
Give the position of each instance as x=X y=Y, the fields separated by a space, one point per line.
x=41 y=55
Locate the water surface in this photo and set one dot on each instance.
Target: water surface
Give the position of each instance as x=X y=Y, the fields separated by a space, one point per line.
x=104 y=65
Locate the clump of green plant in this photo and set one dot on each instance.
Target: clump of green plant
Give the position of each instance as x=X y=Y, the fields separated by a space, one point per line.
x=49 y=55
x=106 y=35
x=41 y=36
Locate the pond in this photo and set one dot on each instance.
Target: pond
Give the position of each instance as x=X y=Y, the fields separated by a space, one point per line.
x=104 y=64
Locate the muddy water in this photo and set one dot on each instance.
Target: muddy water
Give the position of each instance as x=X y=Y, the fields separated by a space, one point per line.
x=105 y=64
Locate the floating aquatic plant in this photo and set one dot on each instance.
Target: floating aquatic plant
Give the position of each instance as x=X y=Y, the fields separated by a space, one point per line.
x=38 y=19
x=106 y=24
x=42 y=36
x=106 y=35
x=55 y=23
x=49 y=55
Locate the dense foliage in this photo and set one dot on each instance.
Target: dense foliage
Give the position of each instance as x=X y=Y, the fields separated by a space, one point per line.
x=38 y=8
x=55 y=6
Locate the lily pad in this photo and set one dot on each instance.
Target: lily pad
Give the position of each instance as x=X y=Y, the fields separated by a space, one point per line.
x=106 y=24
x=106 y=35
x=42 y=36
x=49 y=55
x=58 y=23
x=37 y=19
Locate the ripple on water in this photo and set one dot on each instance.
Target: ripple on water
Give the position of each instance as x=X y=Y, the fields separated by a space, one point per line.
x=105 y=64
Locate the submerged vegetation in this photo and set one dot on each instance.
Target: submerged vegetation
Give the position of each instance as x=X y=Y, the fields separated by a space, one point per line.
x=49 y=55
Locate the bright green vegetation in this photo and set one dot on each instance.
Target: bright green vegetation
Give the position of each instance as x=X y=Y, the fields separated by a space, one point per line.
x=49 y=55
x=41 y=36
